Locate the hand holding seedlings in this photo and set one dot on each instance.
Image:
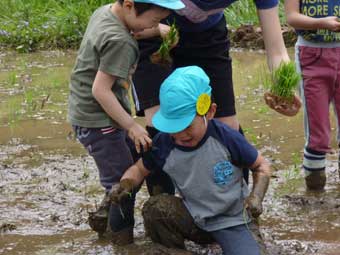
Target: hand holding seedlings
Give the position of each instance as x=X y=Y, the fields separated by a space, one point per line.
x=170 y=39
x=282 y=83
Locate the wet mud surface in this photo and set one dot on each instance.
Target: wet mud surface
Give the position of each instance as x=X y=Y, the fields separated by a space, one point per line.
x=44 y=211
x=48 y=184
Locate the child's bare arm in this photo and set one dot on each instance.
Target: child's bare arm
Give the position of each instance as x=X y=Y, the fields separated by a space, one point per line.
x=261 y=175
x=301 y=21
x=132 y=178
x=136 y=173
x=272 y=36
x=160 y=31
x=102 y=92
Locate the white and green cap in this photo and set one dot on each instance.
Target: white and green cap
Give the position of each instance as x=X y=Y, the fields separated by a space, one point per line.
x=169 y=4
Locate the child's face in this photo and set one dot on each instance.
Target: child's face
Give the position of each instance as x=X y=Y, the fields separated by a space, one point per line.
x=193 y=134
x=147 y=19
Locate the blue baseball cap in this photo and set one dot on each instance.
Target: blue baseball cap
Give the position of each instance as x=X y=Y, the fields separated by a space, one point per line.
x=178 y=98
x=169 y=4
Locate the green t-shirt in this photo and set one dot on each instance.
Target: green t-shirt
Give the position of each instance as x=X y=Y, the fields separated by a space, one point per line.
x=109 y=47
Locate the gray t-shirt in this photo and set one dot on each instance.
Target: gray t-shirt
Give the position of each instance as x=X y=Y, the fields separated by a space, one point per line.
x=209 y=176
x=109 y=47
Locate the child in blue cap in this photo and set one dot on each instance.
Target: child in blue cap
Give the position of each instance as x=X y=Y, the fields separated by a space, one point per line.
x=204 y=159
x=99 y=106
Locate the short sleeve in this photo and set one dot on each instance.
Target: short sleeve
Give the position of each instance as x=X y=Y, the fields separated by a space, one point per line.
x=243 y=154
x=266 y=4
x=117 y=57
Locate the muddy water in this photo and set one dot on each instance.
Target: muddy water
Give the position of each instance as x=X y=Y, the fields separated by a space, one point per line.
x=48 y=183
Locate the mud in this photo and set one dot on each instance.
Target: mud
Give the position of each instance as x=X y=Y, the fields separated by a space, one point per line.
x=48 y=184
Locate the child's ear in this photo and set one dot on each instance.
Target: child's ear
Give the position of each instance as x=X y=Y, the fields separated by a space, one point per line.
x=212 y=110
x=128 y=4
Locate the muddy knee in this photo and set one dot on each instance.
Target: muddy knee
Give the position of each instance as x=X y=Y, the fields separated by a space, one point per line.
x=161 y=220
x=167 y=221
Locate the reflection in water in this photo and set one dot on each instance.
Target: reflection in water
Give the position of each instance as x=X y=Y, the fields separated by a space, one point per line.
x=47 y=183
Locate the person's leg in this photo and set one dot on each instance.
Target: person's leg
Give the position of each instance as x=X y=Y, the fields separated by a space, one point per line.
x=147 y=80
x=240 y=240
x=158 y=181
x=317 y=89
x=210 y=51
x=336 y=102
x=168 y=222
x=112 y=155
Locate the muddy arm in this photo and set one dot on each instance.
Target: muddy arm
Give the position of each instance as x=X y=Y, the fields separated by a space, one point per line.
x=272 y=36
x=261 y=175
x=136 y=173
x=132 y=178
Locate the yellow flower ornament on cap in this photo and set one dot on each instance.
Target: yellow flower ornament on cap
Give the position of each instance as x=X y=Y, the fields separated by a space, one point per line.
x=203 y=104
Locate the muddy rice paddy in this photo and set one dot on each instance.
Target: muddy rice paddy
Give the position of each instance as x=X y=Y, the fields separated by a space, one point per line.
x=48 y=183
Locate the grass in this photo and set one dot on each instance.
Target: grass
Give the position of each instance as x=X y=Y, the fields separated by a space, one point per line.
x=292 y=177
x=43 y=24
x=31 y=25
x=244 y=12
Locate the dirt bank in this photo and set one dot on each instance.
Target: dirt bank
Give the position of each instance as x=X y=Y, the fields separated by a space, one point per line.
x=250 y=37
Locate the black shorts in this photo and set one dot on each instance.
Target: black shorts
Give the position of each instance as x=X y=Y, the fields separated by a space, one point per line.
x=208 y=49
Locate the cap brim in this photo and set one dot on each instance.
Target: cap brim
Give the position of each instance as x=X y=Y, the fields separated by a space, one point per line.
x=173 y=5
x=171 y=125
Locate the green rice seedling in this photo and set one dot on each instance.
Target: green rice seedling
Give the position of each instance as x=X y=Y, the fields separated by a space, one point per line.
x=283 y=81
x=12 y=79
x=162 y=56
x=286 y=79
x=14 y=113
x=281 y=84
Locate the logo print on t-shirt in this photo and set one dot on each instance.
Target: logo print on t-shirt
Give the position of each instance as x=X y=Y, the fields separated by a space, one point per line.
x=223 y=172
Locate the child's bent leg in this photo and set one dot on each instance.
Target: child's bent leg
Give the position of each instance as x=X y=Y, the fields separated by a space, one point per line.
x=169 y=223
x=240 y=240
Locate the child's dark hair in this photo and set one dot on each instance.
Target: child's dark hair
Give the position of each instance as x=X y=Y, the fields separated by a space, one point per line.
x=140 y=7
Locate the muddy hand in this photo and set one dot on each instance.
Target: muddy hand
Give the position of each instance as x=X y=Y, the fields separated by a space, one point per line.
x=253 y=205
x=140 y=137
x=121 y=191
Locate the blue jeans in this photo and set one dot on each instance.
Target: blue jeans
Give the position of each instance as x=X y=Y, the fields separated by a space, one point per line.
x=237 y=240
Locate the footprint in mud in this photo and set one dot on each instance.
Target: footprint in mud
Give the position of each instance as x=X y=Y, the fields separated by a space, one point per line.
x=313 y=201
x=7 y=227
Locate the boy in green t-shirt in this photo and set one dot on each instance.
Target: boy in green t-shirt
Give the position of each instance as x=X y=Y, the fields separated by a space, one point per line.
x=99 y=107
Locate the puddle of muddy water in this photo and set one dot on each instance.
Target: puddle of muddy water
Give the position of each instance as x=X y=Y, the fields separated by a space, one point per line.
x=48 y=183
